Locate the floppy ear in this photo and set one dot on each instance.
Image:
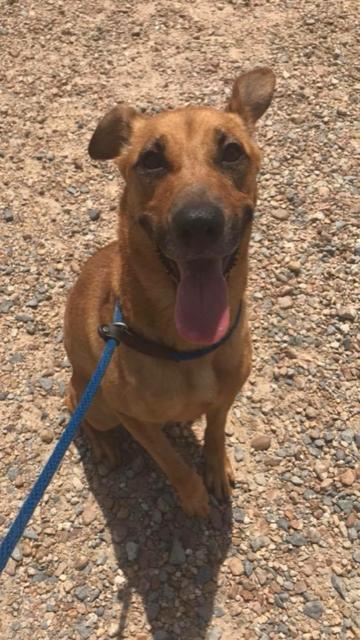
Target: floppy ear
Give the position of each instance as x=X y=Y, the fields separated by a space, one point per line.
x=252 y=94
x=112 y=133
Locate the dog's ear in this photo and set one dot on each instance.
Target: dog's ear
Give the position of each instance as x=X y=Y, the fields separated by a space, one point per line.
x=252 y=94
x=112 y=133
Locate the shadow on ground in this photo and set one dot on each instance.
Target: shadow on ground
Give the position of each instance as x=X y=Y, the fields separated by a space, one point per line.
x=168 y=560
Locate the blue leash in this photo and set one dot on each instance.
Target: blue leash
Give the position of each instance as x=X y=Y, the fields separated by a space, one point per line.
x=16 y=530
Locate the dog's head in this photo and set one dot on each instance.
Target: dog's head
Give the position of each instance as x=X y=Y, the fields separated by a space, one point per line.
x=191 y=190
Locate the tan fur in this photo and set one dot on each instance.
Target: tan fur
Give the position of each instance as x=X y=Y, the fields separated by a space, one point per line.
x=138 y=391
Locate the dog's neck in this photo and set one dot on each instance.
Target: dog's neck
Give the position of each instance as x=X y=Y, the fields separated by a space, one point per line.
x=147 y=293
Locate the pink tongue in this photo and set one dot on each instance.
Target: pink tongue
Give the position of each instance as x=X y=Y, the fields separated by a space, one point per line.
x=202 y=309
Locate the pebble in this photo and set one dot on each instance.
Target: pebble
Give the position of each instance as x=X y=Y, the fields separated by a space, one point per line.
x=8 y=215
x=356 y=556
x=81 y=562
x=297 y=539
x=47 y=436
x=239 y=453
x=17 y=553
x=177 y=553
x=295 y=267
x=94 y=214
x=259 y=543
x=132 y=550
x=280 y=214
x=348 y=477
x=215 y=633
x=338 y=585
x=285 y=302
x=283 y=524
x=236 y=566
x=248 y=568
x=346 y=313
x=311 y=413
x=261 y=443
x=46 y=384
x=314 y=609
x=89 y=515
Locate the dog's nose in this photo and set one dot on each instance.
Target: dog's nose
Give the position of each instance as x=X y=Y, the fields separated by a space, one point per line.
x=198 y=227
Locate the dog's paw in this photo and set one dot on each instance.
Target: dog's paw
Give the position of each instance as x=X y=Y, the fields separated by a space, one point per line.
x=219 y=475
x=195 y=498
x=105 y=445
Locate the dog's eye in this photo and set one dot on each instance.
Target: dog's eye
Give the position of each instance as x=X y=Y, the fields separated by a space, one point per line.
x=152 y=160
x=232 y=152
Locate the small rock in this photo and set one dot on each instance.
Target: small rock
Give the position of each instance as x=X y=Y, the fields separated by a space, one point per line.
x=6 y=306
x=348 y=477
x=346 y=313
x=314 y=609
x=113 y=630
x=11 y=567
x=239 y=454
x=177 y=554
x=132 y=549
x=283 y=524
x=311 y=413
x=297 y=540
x=46 y=436
x=8 y=215
x=83 y=630
x=81 y=562
x=248 y=568
x=33 y=303
x=280 y=214
x=259 y=542
x=338 y=585
x=214 y=634
x=82 y=593
x=236 y=566
x=94 y=214
x=46 y=384
x=17 y=554
x=285 y=302
x=261 y=443
x=294 y=267
x=356 y=556
x=89 y=515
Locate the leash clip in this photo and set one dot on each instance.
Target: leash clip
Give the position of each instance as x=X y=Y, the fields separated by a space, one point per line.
x=114 y=331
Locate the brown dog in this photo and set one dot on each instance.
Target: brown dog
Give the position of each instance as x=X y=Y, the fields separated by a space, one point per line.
x=179 y=271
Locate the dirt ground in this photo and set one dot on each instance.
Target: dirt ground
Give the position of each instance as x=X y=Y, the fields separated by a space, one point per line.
x=110 y=555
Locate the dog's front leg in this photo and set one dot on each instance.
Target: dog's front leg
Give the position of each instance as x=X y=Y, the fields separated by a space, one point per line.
x=218 y=471
x=188 y=484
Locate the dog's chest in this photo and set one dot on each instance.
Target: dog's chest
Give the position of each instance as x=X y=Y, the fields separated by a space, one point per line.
x=161 y=391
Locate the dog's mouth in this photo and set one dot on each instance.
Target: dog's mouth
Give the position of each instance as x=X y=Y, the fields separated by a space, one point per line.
x=202 y=314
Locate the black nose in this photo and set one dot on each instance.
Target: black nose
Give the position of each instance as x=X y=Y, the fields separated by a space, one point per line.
x=198 y=227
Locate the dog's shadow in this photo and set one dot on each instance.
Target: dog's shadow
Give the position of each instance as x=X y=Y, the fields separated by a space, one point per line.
x=169 y=561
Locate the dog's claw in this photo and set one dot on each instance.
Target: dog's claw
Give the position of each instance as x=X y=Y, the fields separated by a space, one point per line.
x=219 y=476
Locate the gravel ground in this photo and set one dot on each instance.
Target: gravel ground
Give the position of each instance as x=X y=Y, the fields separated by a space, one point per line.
x=110 y=555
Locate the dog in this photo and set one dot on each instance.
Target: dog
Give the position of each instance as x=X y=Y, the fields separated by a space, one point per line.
x=178 y=271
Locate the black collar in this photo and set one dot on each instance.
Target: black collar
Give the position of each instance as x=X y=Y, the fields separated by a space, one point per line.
x=121 y=333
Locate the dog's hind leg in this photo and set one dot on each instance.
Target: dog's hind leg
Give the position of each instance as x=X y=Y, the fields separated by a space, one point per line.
x=99 y=426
